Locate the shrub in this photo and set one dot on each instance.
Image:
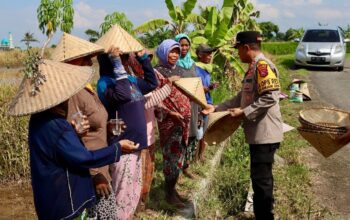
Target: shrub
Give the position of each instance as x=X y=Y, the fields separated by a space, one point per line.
x=14 y=161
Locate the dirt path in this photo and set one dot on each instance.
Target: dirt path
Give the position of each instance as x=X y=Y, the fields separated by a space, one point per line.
x=16 y=202
x=331 y=176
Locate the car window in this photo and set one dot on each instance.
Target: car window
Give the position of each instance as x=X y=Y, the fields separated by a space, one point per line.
x=321 y=36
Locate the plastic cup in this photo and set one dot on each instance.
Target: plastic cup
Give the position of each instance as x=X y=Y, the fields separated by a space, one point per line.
x=78 y=119
x=117 y=125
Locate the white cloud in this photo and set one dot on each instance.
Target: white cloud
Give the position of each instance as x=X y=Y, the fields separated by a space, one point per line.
x=315 y=2
x=329 y=14
x=289 y=14
x=267 y=11
x=87 y=17
x=301 y=2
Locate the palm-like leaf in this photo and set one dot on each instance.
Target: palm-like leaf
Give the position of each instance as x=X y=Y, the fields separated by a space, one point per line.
x=171 y=9
x=211 y=22
x=151 y=25
x=196 y=20
x=188 y=6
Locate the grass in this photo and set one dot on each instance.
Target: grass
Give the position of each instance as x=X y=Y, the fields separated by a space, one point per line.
x=14 y=58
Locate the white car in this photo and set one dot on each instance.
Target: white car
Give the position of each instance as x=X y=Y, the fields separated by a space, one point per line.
x=321 y=47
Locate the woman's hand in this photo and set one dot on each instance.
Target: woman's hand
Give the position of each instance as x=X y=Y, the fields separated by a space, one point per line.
x=177 y=116
x=128 y=146
x=114 y=51
x=208 y=109
x=81 y=128
x=102 y=187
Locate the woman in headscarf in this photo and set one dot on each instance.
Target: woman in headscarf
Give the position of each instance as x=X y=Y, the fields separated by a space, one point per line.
x=59 y=162
x=79 y=52
x=175 y=115
x=185 y=61
x=124 y=93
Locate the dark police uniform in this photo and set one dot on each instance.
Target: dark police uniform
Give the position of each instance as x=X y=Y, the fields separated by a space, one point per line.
x=262 y=123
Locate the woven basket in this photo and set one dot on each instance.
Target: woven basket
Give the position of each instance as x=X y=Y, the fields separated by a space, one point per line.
x=323 y=142
x=321 y=126
x=326 y=117
x=193 y=88
x=221 y=125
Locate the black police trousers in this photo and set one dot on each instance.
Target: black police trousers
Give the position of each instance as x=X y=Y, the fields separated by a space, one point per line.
x=261 y=160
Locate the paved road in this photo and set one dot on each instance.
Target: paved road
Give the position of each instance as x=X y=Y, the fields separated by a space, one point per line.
x=332 y=179
x=333 y=86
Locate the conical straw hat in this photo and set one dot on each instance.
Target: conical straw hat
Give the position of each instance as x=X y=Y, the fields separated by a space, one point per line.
x=193 y=88
x=71 y=48
x=326 y=117
x=324 y=142
x=118 y=37
x=221 y=125
x=62 y=82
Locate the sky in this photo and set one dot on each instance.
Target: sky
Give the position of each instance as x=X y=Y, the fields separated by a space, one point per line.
x=19 y=16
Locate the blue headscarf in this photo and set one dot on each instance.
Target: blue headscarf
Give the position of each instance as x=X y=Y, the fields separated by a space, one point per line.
x=187 y=61
x=163 y=51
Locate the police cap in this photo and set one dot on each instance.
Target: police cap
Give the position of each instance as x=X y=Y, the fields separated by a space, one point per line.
x=246 y=37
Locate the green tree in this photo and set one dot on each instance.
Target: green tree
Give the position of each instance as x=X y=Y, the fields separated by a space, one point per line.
x=243 y=13
x=154 y=38
x=54 y=14
x=116 y=18
x=28 y=38
x=269 y=30
x=292 y=34
x=93 y=35
x=345 y=31
x=181 y=17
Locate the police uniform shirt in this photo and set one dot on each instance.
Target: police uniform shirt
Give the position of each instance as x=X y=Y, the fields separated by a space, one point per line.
x=259 y=99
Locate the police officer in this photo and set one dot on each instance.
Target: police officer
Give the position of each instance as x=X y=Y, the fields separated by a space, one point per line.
x=258 y=105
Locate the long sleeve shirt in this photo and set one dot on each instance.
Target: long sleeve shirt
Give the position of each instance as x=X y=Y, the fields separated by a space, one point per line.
x=127 y=97
x=259 y=99
x=61 y=182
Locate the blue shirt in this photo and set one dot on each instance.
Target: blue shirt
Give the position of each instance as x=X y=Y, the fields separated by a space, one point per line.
x=59 y=162
x=206 y=78
x=125 y=95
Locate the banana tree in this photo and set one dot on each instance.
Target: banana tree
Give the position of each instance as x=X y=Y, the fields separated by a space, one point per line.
x=219 y=33
x=181 y=17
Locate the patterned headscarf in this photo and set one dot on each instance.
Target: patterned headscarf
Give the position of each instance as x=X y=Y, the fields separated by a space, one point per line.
x=163 y=51
x=187 y=61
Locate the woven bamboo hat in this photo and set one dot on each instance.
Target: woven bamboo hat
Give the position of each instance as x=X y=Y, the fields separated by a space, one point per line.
x=71 y=48
x=324 y=142
x=61 y=81
x=221 y=125
x=193 y=88
x=118 y=37
x=326 y=117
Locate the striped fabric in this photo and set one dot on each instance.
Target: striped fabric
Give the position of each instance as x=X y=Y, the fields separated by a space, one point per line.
x=157 y=96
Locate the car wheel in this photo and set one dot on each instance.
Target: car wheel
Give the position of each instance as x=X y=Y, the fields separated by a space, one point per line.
x=296 y=67
x=341 y=68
